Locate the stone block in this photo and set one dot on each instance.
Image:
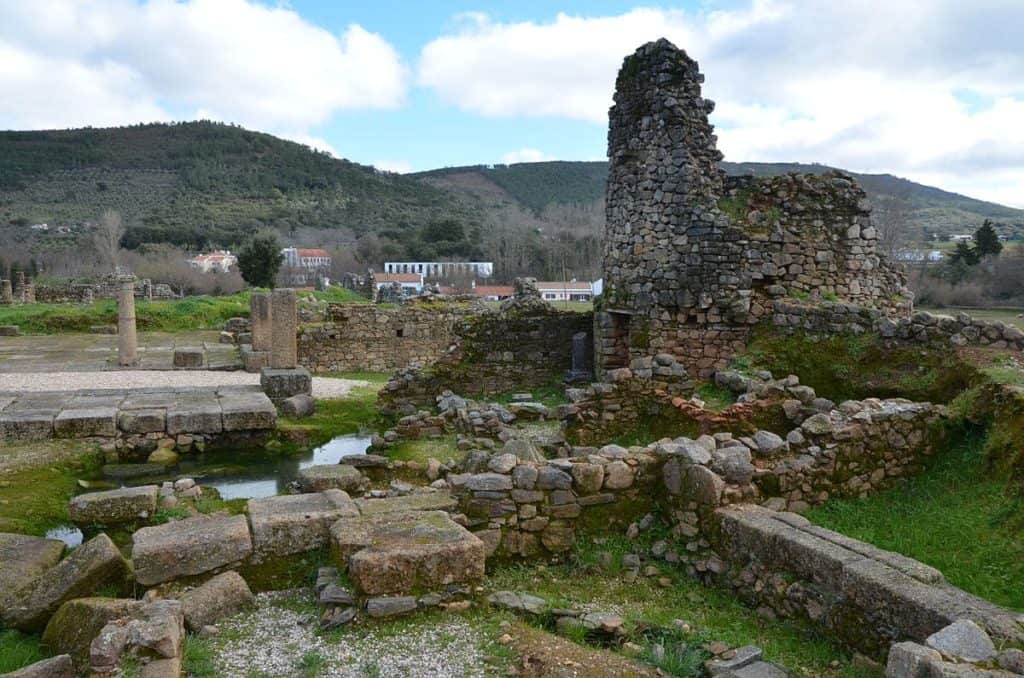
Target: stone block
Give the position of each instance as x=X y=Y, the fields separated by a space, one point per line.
x=77 y=622
x=189 y=547
x=301 y=405
x=222 y=596
x=419 y=501
x=86 y=422
x=279 y=384
x=284 y=324
x=9 y=331
x=390 y=606
x=142 y=421
x=393 y=553
x=253 y=360
x=60 y=666
x=15 y=425
x=331 y=477
x=296 y=523
x=92 y=565
x=188 y=358
x=22 y=559
x=247 y=411
x=124 y=505
x=194 y=417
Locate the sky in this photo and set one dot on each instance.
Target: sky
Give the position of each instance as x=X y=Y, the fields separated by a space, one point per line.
x=930 y=90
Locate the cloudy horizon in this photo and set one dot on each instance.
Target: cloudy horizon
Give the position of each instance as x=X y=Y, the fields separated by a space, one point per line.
x=929 y=90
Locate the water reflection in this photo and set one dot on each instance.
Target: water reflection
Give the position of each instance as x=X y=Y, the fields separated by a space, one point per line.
x=257 y=480
x=69 y=534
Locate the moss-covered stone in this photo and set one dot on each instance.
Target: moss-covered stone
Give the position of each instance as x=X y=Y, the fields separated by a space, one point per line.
x=77 y=622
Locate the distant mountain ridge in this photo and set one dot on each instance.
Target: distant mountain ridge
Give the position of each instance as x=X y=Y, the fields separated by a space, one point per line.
x=203 y=184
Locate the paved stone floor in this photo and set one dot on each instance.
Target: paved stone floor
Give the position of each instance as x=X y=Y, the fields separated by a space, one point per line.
x=95 y=352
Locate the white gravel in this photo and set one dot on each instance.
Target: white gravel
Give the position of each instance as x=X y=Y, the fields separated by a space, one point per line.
x=323 y=387
x=272 y=640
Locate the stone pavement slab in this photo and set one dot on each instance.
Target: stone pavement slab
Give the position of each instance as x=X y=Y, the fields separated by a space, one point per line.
x=189 y=547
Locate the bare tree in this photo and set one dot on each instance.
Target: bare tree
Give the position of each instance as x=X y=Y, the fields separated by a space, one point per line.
x=106 y=240
x=892 y=219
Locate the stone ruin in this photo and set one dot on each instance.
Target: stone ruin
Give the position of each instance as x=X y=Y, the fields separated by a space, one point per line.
x=693 y=259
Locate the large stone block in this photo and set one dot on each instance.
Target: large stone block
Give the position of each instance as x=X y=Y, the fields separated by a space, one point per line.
x=124 y=505
x=418 y=501
x=195 y=417
x=188 y=358
x=296 y=523
x=406 y=552
x=222 y=596
x=260 y=321
x=331 y=477
x=89 y=567
x=247 y=411
x=279 y=384
x=16 y=425
x=86 y=422
x=189 y=547
x=77 y=622
x=22 y=559
x=153 y=420
x=60 y=666
x=253 y=360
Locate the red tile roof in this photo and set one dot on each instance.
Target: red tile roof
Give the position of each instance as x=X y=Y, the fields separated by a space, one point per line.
x=311 y=252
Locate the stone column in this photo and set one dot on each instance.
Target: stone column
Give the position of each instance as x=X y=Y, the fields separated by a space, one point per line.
x=284 y=323
x=30 y=292
x=260 y=320
x=6 y=293
x=127 y=347
x=19 y=287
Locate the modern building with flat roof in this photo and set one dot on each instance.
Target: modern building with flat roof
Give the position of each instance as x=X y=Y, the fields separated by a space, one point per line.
x=442 y=269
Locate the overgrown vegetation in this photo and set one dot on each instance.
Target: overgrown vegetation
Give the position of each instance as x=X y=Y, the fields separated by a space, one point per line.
x=957 y=501
x=35 y=495
x=18 y=650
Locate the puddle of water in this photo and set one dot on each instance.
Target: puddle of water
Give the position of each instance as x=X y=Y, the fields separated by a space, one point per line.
x=267 y=480
x=69 y=534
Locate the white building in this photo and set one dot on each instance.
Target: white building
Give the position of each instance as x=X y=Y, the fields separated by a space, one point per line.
x=411 y=283
x=442 y=269
x=220 y=261
x=961 y=237
x=303 y=265
x=566 y=291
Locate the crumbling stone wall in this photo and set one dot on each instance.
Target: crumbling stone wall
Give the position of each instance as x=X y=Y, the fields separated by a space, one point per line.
x=105 y=288
x=493 y=352
x=692 y=260
x=375 y=338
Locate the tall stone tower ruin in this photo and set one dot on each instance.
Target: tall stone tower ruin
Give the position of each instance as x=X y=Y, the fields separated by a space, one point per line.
x=692 y=259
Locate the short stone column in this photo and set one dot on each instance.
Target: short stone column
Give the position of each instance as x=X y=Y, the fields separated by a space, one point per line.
x=6 y=293
x=284 y=380
x=30 y=292
x=284 y=324
x=257 y=356
x=19 y=287
x=127 y=342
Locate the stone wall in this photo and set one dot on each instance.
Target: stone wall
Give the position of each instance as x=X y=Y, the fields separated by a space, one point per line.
x=494 y=352
x=374 y=338
x=926 y=328
x=106 y=288
x=691 y=259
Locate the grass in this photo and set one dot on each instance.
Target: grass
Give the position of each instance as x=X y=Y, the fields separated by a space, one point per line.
x=955 y=517
x=423 y=449
x=552 y=395
x=190 y=313
x=199 y=658
x=311 y=664
x=715 y=397
x=34 y=499
x=713 y=614
x=18 y=650
x=333 y=417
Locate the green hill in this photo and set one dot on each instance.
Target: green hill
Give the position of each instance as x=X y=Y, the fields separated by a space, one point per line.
x=201 y=183
x=204 y=184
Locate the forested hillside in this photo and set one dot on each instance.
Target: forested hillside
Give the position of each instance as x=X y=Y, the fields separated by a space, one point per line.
x=201 y=184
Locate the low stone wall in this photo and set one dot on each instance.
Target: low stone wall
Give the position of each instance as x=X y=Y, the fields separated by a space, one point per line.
x=368 y=337
x=494 y=352
x=922 y=327
x=867 y=597
x=135 y=424
x=107 y=288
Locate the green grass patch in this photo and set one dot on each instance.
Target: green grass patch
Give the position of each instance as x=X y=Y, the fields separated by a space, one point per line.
x=340 y=295
x=712 y=614
x=552 y=394
x=956 y=517
x=380 y=378
x=18 y=650
x=35 y=499
x=334 y=417
x=190 y=313
x=199 y=658
x=715 y=397
x=424 y=449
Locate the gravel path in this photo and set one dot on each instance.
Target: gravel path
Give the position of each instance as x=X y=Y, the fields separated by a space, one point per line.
x=275 y=641
x=323 y=387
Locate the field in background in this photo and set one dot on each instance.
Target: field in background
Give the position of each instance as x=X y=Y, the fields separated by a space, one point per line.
x=1011 y=316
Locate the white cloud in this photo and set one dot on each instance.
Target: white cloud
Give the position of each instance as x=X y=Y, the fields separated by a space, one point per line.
x=106 y=62
x=869 y=85
x=397 y=166
x=525 y=155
